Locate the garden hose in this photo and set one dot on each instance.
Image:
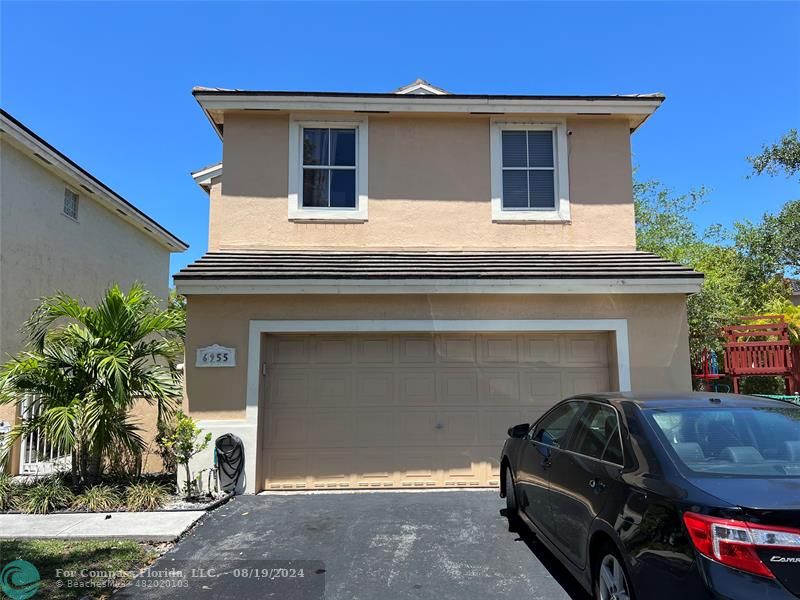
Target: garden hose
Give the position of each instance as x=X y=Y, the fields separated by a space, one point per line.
x=229 y=457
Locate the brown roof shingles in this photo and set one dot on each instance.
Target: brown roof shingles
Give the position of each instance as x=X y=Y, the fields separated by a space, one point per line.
x=399 y=265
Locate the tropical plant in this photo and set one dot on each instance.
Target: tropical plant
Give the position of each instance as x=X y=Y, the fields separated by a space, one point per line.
x=97 y=498
x=790 y=314
x=176 y=301
x=7 y=489
x=145 y=495
x=87 y=365
x=45 y=496
x=185 y=442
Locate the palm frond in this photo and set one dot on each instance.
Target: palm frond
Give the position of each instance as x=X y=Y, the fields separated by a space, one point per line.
x=49 y=310
x=88 y=365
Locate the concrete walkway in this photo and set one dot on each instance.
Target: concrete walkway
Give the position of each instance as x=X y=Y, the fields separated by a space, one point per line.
x=139 y=526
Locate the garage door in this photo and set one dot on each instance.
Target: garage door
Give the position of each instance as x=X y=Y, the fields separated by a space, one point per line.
x=411 y=410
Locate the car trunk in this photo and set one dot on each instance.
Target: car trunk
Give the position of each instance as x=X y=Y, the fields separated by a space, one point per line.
x=772 y=502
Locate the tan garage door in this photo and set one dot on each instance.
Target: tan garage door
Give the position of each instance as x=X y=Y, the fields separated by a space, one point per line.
x=411 y=410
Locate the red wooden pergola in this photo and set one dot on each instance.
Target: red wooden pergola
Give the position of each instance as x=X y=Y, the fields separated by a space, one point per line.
x=760 y=346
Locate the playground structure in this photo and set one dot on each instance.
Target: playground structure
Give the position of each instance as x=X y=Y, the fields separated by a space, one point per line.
x=708 y=372
x=758 y=346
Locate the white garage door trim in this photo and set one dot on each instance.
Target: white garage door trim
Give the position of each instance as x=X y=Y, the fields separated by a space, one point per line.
x=248 y=428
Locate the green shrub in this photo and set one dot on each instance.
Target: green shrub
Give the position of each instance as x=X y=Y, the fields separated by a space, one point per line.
x=45 y=496
x=186 y=440
x=98 y=498
x=145 y=495
x=165 y=448
x=8 y=491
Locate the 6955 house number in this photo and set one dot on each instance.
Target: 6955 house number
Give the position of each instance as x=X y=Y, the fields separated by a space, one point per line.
x=216 y=356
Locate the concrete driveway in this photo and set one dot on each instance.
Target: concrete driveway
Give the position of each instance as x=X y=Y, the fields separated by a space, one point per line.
x=351 y=546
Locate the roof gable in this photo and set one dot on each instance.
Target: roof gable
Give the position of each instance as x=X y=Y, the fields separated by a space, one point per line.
x=420 y=87
x=47 y=156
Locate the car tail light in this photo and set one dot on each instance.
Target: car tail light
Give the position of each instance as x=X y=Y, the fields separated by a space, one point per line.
x=733 y=543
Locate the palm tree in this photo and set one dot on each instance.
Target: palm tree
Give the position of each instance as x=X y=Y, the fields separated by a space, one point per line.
x=88 y=365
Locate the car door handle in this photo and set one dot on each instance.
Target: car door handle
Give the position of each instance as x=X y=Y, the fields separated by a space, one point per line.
x=546 y=464
x=597 y=485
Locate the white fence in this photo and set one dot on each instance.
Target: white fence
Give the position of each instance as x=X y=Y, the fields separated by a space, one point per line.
x=37 y=456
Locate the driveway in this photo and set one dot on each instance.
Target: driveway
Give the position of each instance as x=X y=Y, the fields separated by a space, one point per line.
x=358 y=546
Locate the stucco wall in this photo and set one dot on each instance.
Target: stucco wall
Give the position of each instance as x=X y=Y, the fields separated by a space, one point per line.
x=42 y=250
x=657 y=331
x=429 y=187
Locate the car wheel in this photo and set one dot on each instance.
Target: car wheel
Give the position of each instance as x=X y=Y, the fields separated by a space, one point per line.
x=512 y=507
x=611 y=581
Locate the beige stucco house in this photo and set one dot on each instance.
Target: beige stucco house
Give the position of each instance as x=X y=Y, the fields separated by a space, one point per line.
x=395 y=279
x=61 y=228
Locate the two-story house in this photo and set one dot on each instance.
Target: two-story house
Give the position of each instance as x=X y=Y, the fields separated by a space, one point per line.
x=403 y=276
x=61 y=228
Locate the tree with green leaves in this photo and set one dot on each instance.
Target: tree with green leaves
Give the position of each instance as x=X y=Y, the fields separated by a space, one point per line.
x=782 y=156
x=87 y=366
x=744 y=267
x=775 y=241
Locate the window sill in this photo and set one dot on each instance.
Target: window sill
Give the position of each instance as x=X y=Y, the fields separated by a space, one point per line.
x=533 y=216
x=328 y=215
x=525 y=220
x=66 y=216
x=330 y=219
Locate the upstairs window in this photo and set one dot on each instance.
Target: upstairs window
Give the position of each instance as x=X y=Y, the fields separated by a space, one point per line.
x=529 y=172
x=328 y=170
x=71 y=204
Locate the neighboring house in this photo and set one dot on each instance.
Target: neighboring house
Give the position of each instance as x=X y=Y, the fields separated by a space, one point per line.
x=404 y=276
x=795 y=287
x=61 y=228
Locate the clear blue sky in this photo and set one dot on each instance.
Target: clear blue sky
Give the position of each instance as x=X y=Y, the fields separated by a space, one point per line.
x=109 y=84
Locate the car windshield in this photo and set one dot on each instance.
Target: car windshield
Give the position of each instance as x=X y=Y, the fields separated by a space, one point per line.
x=750 y=441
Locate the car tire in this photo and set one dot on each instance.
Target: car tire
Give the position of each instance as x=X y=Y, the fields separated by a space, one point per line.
x=610 y=578
x=512 y=506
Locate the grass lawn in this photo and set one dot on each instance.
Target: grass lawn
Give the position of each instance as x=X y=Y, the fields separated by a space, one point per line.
x=111 y=558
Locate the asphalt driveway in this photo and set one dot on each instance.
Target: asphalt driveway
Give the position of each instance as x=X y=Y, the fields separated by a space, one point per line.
x=359 y=546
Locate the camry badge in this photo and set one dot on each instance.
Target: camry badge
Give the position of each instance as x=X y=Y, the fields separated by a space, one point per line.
x=785 y=559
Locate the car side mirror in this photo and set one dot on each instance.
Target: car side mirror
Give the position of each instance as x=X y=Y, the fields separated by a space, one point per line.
x=519 y=431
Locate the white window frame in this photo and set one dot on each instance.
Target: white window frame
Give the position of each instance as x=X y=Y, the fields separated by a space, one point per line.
x=77 y=204
x=297 y=212
x=561 y=212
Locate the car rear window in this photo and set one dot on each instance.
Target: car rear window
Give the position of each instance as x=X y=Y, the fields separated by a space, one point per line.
x=747 y=441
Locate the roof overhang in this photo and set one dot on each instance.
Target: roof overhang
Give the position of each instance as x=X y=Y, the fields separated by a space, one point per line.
x=215 y=102
x=204 y=176
x=48 y=157
x=440 y=286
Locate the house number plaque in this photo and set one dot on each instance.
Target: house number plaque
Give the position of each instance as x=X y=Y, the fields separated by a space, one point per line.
x=216 y=356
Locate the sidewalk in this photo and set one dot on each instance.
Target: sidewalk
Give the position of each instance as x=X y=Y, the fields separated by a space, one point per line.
x=139 y=526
